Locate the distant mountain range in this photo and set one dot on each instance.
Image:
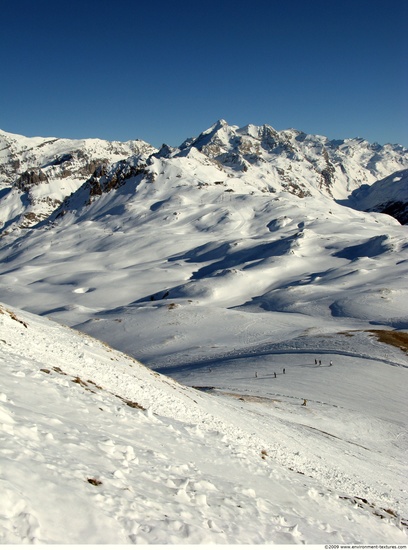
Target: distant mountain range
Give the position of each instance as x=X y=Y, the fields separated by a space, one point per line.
x=236 y=218
x=38 y=174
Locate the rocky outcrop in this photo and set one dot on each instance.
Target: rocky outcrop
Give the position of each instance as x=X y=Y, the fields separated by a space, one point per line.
x=36 y=173
x=30 y=178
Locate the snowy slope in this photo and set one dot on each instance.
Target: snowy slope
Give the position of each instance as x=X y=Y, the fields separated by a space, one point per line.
x=219 y=263
x=179 y=229
x=389 y=195
x=98 y=449
x=36 y=174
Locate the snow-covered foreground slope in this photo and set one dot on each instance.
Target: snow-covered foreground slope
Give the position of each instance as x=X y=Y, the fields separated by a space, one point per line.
x=96 y=448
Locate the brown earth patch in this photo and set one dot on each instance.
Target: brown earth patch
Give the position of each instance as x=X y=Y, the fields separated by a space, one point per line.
x=392 y=338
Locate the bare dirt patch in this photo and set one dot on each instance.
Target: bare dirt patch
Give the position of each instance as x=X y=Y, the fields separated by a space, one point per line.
x=392 y=338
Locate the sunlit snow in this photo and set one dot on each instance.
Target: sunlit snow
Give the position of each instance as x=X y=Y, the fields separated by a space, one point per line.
x=98 y=449
x=270 y=319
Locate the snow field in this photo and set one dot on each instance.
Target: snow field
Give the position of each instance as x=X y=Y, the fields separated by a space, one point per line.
x=206 y=268
x=186 y=467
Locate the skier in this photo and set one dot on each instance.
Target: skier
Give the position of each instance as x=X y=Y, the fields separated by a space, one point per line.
x=331 y=363
x=320 y=362
x=274 y=374
x=304 y=402
x=284 y=370
x=256 y=374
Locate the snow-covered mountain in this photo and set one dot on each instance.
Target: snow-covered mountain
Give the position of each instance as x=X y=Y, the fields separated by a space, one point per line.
x=37 y=174
x=297 y=162
x=203 y=225
x=239 y=254
x=98 y=449
x=240 y=218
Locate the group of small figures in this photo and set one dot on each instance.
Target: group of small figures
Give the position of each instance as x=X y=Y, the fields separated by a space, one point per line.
x=320 y=362
x=317 y=362
x=274 y=374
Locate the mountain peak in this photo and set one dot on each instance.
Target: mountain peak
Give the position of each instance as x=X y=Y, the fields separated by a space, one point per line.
x=221 y=123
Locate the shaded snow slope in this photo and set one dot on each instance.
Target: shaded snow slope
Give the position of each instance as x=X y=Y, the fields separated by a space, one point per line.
x=153 y=243
x=389 y=195
x=173 y=261
x=98 y=449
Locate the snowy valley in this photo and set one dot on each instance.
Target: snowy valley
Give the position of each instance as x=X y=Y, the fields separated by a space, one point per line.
x=253 y=273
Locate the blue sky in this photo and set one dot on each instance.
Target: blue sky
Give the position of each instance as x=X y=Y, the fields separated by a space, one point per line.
x=165 y=71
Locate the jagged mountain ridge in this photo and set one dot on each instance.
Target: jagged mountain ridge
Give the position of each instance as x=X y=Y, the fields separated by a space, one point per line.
x=189 y=226
x=334 y=166
x=37 y=174
x=57 y=156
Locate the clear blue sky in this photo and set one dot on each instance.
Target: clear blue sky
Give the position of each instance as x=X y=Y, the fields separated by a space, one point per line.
x=163 y=71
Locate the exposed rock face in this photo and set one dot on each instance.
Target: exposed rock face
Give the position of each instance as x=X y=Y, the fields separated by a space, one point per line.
x=103 y=181
x=301 y=161
x=398 y=210
x=30 y=178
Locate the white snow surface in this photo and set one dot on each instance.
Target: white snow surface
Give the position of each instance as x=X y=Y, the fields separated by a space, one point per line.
x=243 y=463
x=217 y=264
x=265 y=160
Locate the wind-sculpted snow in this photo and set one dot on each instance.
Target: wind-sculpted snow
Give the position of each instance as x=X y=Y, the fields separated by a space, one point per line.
x=39 y=173
x=179 y=228
x=98 y=449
